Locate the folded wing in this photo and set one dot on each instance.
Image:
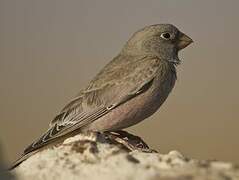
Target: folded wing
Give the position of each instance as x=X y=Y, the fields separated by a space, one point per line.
x=111 y=87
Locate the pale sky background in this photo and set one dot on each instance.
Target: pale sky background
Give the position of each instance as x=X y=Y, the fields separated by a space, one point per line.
x=49 y=49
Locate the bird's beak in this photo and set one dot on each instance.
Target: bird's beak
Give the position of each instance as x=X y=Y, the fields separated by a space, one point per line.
x=183 y=41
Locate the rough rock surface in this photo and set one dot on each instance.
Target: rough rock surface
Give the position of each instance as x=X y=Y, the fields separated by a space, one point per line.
x=87 y=157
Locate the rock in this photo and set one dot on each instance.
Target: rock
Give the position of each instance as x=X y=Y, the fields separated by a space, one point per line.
x=93 y=157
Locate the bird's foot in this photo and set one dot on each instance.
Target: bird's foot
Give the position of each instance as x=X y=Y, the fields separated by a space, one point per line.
x=127 y=140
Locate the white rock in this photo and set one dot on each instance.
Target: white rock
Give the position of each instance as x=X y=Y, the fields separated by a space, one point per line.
x=84 y=157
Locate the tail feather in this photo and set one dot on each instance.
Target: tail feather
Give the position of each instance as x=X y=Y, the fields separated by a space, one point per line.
x=30 y=150
x=20 y=160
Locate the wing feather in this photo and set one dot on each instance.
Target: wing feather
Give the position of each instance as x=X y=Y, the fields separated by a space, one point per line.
x=103 y=94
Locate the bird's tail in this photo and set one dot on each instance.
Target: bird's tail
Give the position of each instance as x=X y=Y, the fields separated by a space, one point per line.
x=20 y=160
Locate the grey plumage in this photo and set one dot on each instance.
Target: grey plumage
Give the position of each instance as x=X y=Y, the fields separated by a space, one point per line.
x=128 y=89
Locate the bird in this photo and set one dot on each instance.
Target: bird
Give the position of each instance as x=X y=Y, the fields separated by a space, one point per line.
x=129 y=89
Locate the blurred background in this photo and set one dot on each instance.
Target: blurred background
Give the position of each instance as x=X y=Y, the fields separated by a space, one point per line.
x=50 y=49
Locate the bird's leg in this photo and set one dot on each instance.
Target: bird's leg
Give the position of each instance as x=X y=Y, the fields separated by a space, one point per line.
x=129 y=141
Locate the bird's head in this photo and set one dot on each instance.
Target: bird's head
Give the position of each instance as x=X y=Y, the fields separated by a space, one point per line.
x=161 y=40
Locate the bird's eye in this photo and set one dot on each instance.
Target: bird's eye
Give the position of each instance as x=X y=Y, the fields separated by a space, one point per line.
x=166 y=36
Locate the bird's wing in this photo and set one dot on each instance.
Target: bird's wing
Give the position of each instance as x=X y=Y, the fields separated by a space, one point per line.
x=111 y=87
